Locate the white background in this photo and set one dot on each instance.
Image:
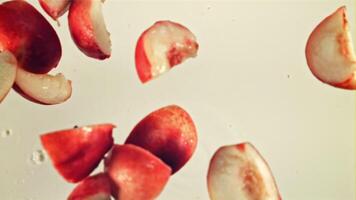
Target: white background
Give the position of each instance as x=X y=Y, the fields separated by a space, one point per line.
x=250 y=82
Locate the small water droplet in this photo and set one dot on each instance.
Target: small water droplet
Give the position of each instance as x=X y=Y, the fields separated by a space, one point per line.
x=38 y=157
x=6 y=133
x=288 y=76
x=75 y=126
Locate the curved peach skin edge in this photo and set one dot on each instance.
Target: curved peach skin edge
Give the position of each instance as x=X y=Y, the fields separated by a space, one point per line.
x=143 y=66
x=147 y=174
x=169 y=133
x=55 y=13
x=69 y=165
x=349 y=83
x=94 y=187
x=240 y=147
x=82 y=31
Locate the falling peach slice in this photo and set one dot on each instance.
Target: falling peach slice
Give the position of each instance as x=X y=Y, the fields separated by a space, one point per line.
x=161 y=47
x=238 y=172
x=44 y=88
x=329 y=51
x=88 y=30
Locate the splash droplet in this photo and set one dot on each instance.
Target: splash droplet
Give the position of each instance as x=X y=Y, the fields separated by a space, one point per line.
x=38 y=157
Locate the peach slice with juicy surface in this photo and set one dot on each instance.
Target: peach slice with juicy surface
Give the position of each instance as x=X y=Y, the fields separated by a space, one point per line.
x=55 y=8
x=136 y=173
x=96 y=187
x=43 y=88
x=239 y=172
x=28 y=35
x=88 y=30
x=161 y=47
x=75 y=153
x=8 y=66
x=169 y=133
x=329 y=51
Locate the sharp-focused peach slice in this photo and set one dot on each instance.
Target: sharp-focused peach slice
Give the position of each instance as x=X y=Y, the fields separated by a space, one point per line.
x=55 y=8
x=44 y=88
x=96 y=187
x=169 y=133
x=29 y=36
x=136 y=173
x=88 y=30
x=8 y=65
x=239 y=172
x=75 y=153
x=329 y=51
x=162 y=46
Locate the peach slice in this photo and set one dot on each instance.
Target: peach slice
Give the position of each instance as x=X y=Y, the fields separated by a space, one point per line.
x=8 y=65
x=329 y=51
x=240 y=172
x=44 y=88
x=136 y=173
x=28 y=35
x=55 y=8
x=96 y=187
x=75 y=153
x=169 y=133
x=88 y=30
x=162 y=46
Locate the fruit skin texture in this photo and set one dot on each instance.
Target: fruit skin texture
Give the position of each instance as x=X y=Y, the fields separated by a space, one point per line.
x=55 y=8
x=239 y=172
x=96 y=187
x=8 y=66
x=179 y=44
x=329 y=51
x=136 y=173
x=87 y=28
x=75 y=153
x=169 y=133
x=28 y=35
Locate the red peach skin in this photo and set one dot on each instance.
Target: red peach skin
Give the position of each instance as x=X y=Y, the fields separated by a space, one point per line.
x=75 y=153
x=136 y=173
x=87 y=27
x=28 y=35
x=96 y=187
x=169 y=133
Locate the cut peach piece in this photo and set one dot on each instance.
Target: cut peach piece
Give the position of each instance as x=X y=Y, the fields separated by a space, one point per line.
x=240 y=172
x=29 y=36
x=8 y=65
x=75 y=153
x=162 y=46
x=88 y=30
x=55 y=8
x=136 y=173
x=96 y=187
x=329 y=51
x=44 y=88
x=169 y=133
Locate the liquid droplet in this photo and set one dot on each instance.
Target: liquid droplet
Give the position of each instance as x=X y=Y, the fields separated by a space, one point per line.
x=38 y=157
x=6 y=133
